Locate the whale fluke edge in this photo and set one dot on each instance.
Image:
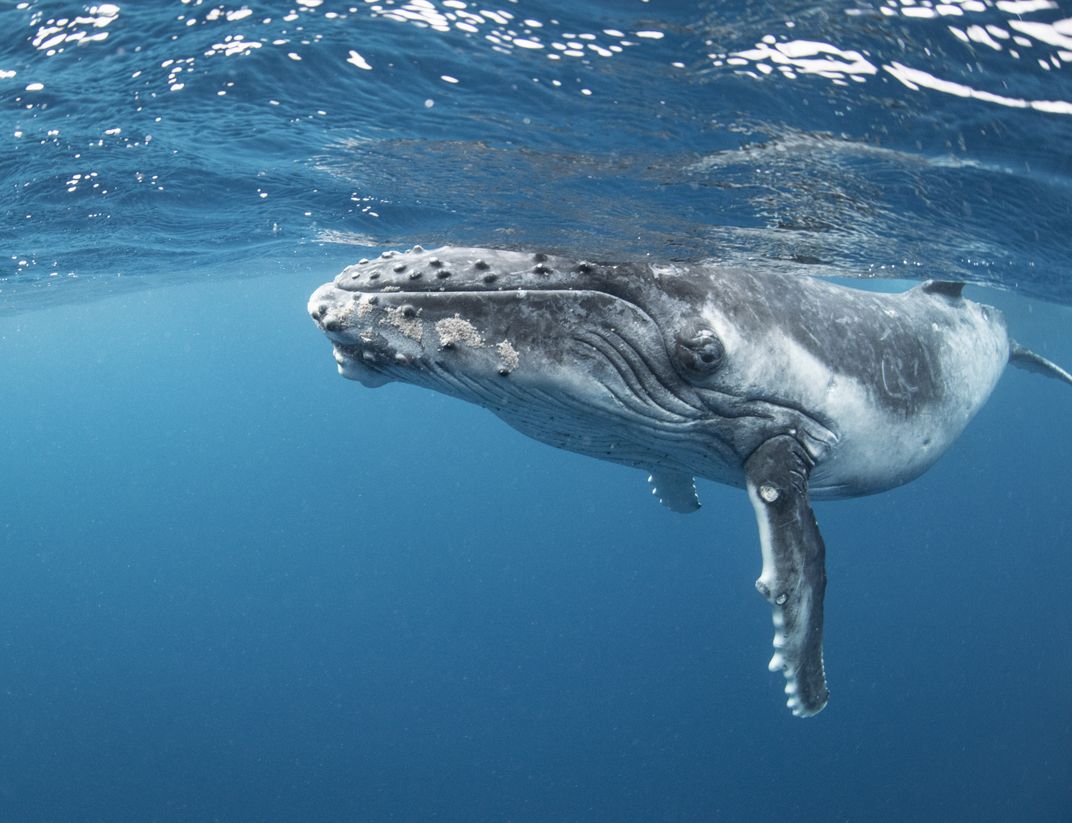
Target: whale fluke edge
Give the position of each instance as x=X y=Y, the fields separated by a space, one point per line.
x=791 y=387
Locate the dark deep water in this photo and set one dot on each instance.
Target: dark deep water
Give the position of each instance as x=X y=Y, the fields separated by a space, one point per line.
x=236 y=587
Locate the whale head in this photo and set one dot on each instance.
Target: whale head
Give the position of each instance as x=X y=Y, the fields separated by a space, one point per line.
x=608 y=360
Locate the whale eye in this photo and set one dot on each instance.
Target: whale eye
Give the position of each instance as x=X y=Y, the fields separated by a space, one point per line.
x=699 y=350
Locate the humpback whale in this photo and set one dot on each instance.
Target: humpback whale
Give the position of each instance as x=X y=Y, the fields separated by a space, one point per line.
x=791 y=387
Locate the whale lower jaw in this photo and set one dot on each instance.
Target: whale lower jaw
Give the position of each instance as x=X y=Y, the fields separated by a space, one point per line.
x=353 y=367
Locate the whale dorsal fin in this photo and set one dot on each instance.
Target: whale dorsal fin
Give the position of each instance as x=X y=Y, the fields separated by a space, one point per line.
x=675 y=490
x=1024 y=358
x=946 y=288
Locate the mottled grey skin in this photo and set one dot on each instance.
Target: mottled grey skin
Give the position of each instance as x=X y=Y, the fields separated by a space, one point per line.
x=788 y=386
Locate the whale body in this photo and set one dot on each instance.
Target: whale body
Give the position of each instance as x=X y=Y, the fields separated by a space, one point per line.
x=788 y=386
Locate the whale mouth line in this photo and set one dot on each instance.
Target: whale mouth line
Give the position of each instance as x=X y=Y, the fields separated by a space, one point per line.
x=469 y=290
x=389 y=291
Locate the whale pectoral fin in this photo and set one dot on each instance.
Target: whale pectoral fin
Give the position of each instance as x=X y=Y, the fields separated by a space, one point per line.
x=1024 y=358
x=793 y=577
x=675 y=490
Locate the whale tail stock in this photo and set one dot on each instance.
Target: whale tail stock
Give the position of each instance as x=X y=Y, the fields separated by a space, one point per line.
x=1024 y=358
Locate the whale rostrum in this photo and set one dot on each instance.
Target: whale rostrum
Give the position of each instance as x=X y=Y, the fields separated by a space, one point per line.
x=791 y=387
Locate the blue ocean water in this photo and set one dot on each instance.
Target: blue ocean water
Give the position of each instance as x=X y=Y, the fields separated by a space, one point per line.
x=235 y=587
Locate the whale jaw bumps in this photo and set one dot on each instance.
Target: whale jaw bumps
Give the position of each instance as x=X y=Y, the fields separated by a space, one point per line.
x=786 y=386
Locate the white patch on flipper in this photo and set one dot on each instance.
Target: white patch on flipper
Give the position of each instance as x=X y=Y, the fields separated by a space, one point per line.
x=781 y=641
x=766 y=574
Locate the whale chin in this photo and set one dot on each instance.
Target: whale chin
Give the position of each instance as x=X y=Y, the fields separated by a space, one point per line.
x=353 y=368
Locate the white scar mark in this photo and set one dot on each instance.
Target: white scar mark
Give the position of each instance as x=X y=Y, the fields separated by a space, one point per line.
x=455 y=330
x=406 y=321
x=363 y=307
x=508 y=357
